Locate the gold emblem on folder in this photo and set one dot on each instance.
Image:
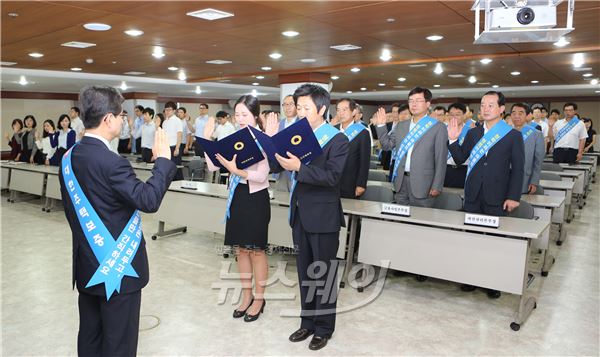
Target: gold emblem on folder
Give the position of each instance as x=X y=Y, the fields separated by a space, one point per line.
x=238 y=146
x=296 y=139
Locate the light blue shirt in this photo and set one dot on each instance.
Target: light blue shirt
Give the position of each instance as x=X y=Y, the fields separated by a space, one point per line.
x=199 y=125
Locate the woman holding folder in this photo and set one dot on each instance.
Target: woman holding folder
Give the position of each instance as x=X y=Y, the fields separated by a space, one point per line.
x=248 y=213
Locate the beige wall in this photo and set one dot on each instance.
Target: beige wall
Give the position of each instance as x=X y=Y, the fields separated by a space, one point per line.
x=41 y=109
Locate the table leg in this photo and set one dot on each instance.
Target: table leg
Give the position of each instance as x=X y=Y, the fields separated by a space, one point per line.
x=527 y=302
x=350 y=252
x=161 y=230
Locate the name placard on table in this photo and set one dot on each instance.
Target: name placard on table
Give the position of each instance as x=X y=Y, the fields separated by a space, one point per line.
x=482 y=220
x=189 y=185
x=396 y=210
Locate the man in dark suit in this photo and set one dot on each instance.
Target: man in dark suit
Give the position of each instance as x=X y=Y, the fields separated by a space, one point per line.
x=493 y=185
x=316 y=217
x=109 y=326
x=356 y=171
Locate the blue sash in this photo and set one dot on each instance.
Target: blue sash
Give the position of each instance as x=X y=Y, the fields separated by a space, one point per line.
x=527 y=131
x=486 y=142
x=353 y=130
x=323 y=134
x=114 y=256
x=562 y=132
x=463 y=134
x=413 y=136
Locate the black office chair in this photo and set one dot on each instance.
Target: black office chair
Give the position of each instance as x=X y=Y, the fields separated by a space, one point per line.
x=377 y=176
x=525 y=211
x=196 y=168
x=550 y=166
x=378 y=194
x=448 y=201
x=550 y=176
x=373 y=165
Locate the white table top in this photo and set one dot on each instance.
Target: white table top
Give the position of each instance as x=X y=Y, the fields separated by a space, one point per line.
x=573 y=174
x=51 y=170
x=557 y=185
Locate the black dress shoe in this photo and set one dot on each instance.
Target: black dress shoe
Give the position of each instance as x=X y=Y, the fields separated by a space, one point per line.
x=237 y=313
x=467 y=288
x=317 y=343
x=300 y=335
x=493 y=294
x=250 y=318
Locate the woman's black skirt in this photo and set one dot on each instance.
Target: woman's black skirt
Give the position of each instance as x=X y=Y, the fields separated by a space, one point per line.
x=248 y=223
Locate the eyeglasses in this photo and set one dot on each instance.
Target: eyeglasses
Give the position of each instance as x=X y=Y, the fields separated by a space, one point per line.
x=203 y=108
x=288 y=105
x=411 y=101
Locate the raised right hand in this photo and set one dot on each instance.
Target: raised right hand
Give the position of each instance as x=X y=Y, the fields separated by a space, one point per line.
x=272 y=124
x=161 y=145
x=380 y=117
x=453 y=129
x=209 y=128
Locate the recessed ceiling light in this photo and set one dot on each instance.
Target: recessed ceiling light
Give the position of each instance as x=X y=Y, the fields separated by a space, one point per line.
x=89 y=60
x=562 y=42
x=515 y=73
x=218 y=61
x=210 y=14
x=134 y=73
x=390 y=19
x=3 y=63
x=436 y=85
x=535 y=82
x=266 y=68
x=349 y=91
x=290 y=33
x=36 y=55
x=401 y=79
x=275 y=55
x=94 y=26
x=485 y=60
x=123 y=86
x=363 y=88
x=386 y=55
x=77 y=44
x=255 y=84
x=335 y=77
x=417 y=65
x=198 y=90
x=13 y=14
x=134 y=33
x=438 y=68
x=173 y=68
x=308 y=60
x=23 y=81
x=578 y=60
x=355 y=69
x=75 y=69
x=158 y=52
x=587 y=74
x=483 y=83
x=114 y=62
x=254 y=93
x=594 y=81
x=345 y=47
x=181 y=76
x=381 y=84
x=582 y=69
x=434 y=37
x=597 y=91
x=260 y=77
x=456 y=75
x=472 y=79
x=495 y=86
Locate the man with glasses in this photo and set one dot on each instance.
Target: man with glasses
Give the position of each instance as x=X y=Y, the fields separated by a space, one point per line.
x=284 y=182
x=569 y=136
x=125 y=137
x=421 y=152
x=173 y=127
x=198 y=127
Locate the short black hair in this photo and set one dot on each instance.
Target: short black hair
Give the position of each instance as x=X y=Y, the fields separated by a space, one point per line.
x=440 y=107
x=266 y=111
x=203 y=104
x=426 y=93
x=525 y=107
x=221 y=114
x=317 y=94
x=182 y=109
x=570 y=104
x=161 y=117
x=171 y=105
x=403 y=107
x=139 y=107
x=49 y=121
x=395 y=105
x=17 y=121
x=97 y=101
x=253 y=105
x=32 y=118
x=76 y=110
x=148 y=110
x=501 y=98
x=458 y=106
x=351 y=103
x=63 y=117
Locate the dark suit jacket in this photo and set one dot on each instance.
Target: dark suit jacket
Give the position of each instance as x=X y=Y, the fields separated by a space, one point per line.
x=316 y=197
x=499 y=173
x=356 y=171
x=110 y=185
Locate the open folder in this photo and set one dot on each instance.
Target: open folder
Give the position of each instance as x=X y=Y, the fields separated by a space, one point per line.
x=297 y=138
x=241 y=143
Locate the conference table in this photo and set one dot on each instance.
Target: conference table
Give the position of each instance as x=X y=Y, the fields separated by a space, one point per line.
x=39 y=180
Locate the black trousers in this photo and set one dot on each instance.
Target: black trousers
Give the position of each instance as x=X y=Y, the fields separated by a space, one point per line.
x=564 y=155
x=146 y=155
x=138 y=145
x=455 y=176
x=177 y=161
x=317 y=275
x=122 y=148
x=108 y=328
x=385 y=159
x=478 y=205
x=198 y=149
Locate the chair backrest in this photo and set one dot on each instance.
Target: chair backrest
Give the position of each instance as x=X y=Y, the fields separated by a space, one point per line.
x=525 y=210
x=196 y=169
x=550 y=166
x=539 y=190
x=378 y=194
x=448 y=201
x=373 y=165
x=550 y=176
x=377 y=176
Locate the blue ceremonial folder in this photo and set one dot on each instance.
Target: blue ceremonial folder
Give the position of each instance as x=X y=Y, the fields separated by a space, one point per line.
x=297 y=138
x=241 y=143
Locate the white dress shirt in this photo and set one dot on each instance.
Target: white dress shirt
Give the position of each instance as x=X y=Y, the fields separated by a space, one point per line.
x=99 y=138
x=172 y=126
x=77 y=125
x=223 y=130
x=571 y=139
x=147 y=131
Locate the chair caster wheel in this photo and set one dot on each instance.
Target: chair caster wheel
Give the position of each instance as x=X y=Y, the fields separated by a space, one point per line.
x=184 y=230
x=225 y=255
x=559 y=242
x=544 y=273
x=360 y=289
x=342 y=285
x=515 y=326
x=421 y=278
x=47 y=211
x=568 y=220
x=535 y=305
x=43 y=209
x=154 y=237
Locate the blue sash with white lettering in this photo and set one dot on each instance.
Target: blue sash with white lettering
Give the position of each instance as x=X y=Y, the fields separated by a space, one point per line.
x=323 y=134
x=353 y=130
x=463 y=134
x=527 y=131
x=486 y=142
x=114 y=256
x=562 y=132
x=413 y=136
